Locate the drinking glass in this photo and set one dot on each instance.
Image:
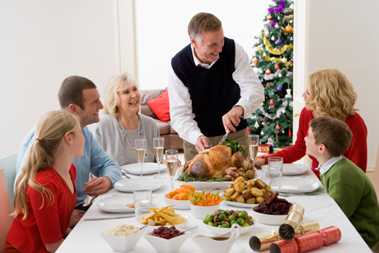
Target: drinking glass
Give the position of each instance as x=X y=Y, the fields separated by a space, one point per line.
x=275 y=169
x=253 y=146
x=158 y=146
x=142 y=202
x=141 y=146
x=172 y=163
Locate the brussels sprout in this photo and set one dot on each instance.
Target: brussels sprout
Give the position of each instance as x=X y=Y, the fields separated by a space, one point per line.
x=240 y=221
x=207 y=219
x=225 y=225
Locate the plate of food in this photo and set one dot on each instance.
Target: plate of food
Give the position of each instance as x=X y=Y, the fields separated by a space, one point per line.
x=221 y=221
x=180 y=198
x=246 y=193
x=115 y=204
x=147 y=168
x=215 y=168
x=139 y=184
x=273 y=211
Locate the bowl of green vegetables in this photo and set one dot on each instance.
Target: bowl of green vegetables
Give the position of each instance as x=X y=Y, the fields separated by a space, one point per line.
x=221 y=221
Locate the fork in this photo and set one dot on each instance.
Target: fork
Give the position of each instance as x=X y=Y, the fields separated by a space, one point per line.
x=223 y=139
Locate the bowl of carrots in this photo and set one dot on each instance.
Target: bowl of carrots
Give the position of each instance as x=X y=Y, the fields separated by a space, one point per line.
x=203 y=203
x=180 y=197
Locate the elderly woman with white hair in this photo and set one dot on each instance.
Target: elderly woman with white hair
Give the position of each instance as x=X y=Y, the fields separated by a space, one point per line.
x=123 y=123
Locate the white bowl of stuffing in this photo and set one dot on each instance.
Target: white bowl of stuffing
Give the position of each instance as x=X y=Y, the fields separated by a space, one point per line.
x=122 y=238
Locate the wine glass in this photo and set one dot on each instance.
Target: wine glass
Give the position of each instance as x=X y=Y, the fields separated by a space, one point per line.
x=158 y=146
x=172 y=162
x=253 y=146
x=141 y=146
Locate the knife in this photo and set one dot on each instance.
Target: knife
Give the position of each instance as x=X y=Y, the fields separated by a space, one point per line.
x=223 y=139
x=108 y=218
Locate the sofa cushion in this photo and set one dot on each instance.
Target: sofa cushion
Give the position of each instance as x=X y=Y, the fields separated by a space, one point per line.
x=146 y=95
x=145 y=109
x=160 y=106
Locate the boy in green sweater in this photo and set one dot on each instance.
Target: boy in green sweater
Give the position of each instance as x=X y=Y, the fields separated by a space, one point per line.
x=327 y=140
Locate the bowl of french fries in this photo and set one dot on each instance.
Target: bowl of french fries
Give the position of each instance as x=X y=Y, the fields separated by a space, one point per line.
x=163 y=216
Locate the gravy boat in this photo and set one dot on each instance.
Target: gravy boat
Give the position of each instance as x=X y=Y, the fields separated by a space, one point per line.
x=220 y=243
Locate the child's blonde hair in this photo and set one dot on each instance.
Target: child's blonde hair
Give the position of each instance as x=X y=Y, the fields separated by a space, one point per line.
x=49 y=133
x=332 y=94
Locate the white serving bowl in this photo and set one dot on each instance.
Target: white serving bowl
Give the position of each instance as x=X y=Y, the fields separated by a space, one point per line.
x=121 y=243
x=216 y=231
x=268 y=219
x=207 y=185
x=162 y=245
x=178 y=204
x=200 y=212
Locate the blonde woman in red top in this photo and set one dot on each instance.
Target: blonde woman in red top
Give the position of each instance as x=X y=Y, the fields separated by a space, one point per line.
x=45 y=190
x=329 y=93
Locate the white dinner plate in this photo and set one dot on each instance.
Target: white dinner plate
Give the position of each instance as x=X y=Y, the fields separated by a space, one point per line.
x=299 y=184
x=147 y=168
x=115 y=204
x=238 y=204
x=291 y=169
x=139 y=184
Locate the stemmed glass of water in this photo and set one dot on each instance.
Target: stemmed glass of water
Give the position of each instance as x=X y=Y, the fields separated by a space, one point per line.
x=141 y=147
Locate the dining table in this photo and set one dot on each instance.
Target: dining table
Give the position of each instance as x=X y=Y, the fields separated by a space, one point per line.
x=86 y=236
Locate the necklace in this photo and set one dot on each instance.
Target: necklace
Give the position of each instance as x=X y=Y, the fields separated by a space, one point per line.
x=132 y=135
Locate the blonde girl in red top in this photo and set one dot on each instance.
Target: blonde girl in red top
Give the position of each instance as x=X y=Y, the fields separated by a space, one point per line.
x=45 y=191
x=329 y=93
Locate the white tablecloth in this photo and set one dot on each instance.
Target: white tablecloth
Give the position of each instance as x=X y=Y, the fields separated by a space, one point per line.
x=86 y=236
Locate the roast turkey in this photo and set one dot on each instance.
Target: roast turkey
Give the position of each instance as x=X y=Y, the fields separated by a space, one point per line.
x=212 y=163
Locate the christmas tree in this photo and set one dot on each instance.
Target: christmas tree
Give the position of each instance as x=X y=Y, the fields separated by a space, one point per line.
x=273 y=62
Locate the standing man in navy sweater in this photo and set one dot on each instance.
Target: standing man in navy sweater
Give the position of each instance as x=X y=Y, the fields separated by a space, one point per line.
x=212 y=88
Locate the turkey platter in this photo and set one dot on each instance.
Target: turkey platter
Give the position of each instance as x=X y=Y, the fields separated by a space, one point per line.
x=218 y=164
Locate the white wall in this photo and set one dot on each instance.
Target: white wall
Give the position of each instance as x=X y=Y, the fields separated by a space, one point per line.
x=344 y=34
x=42 y=42
x=161 y=28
